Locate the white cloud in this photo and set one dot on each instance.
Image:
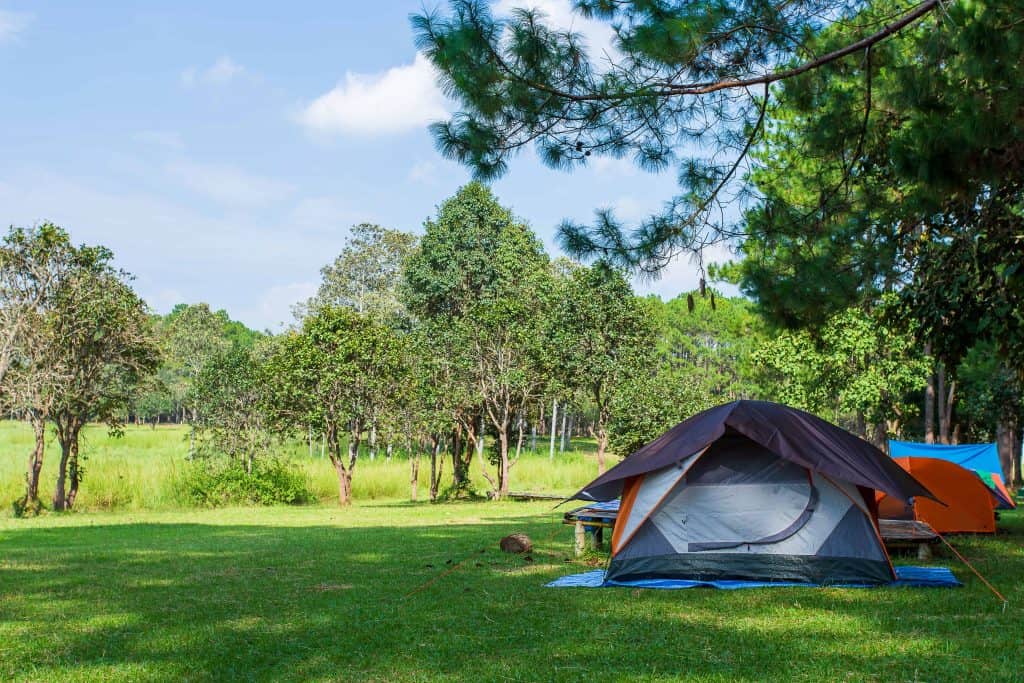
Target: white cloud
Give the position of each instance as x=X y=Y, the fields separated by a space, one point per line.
x=400 y=99
x=229 y=185
x=12 y=23
x=598 y=35
x=610 y=166
x=221 y=72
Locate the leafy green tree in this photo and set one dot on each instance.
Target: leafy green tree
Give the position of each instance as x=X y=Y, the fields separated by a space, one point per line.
x=74 y=344
x=365 y=276
x=991 y=405
x=900 y=172
x=680 y=77
x=102 y=345
x=706 y=340
x=232 y=393
x=32 y=264
x=337 y=375
x=859 y=368
x=605 y=336
x=483 y=283
x=704 y=347
x=191 y=336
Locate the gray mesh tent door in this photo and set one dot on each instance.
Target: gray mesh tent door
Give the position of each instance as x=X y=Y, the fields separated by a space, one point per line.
x=751 y=499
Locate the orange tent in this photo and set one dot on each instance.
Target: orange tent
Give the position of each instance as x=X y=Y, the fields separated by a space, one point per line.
x=969 y=505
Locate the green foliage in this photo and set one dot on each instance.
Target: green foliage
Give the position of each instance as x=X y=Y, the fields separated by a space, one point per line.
x=858 y=366
x=681 y=78
x=219 y=481
x=365 y=276
x=990 y=394
x=483 y=286
x=703 y=360
x=340 y=374
x=232 y=394
x=605 y=338
x=900 y=171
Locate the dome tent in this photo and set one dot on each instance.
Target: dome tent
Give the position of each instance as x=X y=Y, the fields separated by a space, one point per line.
x=752 y=490
x=983 y=458
x=968 y=504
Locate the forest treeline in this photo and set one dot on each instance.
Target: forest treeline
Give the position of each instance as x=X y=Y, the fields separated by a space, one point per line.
x=465 y=346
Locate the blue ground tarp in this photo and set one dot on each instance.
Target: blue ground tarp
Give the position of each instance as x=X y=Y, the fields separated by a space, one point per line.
x=973 y=456
x=923 y=577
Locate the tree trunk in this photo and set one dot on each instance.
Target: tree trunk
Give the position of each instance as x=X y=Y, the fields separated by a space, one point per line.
x=435 y=466
x=519 y=440
x=502 y=462
x=344 y=483
x=74 y=472
x=373 y=441
x=940 y=403
x=565 y=419
x=929 y=404
x=414 y=475
x=462 y=455
x=602 y=441
x=35 y=461
x=1006 y=442
x=60 y=491
x=880 y=437
x=533 y=436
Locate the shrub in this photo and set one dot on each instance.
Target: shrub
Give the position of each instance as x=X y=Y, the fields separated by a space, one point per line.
x=222 y=481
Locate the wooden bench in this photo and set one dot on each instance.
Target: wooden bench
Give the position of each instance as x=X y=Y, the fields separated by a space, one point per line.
x=597 y=518
x=908 y=533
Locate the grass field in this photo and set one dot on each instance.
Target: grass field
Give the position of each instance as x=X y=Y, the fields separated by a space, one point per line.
x=140 y=470
x=134 y=587
x=402 y=592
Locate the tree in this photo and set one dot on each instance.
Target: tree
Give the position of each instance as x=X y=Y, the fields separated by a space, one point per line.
x=366 y=274
x=103 y=345
x=704 y=348
x=606 y=336
x=39 y=267
x=337 y=375
x=232 y=394
x=482 y=279
x=858 y=367
x=899 y=172
x=680 y=77
x=31 y=263
x=191 y=336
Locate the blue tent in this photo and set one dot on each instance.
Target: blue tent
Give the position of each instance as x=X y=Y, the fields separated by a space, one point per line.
x=973 y=456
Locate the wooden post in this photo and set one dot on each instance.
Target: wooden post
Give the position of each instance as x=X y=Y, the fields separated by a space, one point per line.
x=924 y=551
x=581 y=538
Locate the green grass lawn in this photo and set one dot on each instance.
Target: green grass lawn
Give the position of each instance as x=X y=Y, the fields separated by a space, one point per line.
x=401 y=592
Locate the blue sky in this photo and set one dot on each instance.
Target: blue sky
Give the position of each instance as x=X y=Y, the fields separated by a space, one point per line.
x=222 y=150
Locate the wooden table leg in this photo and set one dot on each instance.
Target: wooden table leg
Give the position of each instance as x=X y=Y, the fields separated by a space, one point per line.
x=581 y=538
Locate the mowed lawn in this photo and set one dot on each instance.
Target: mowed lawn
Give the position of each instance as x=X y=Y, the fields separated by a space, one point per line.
x=402 y=592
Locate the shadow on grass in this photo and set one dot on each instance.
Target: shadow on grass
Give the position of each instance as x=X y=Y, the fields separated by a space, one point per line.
x=207 y=602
